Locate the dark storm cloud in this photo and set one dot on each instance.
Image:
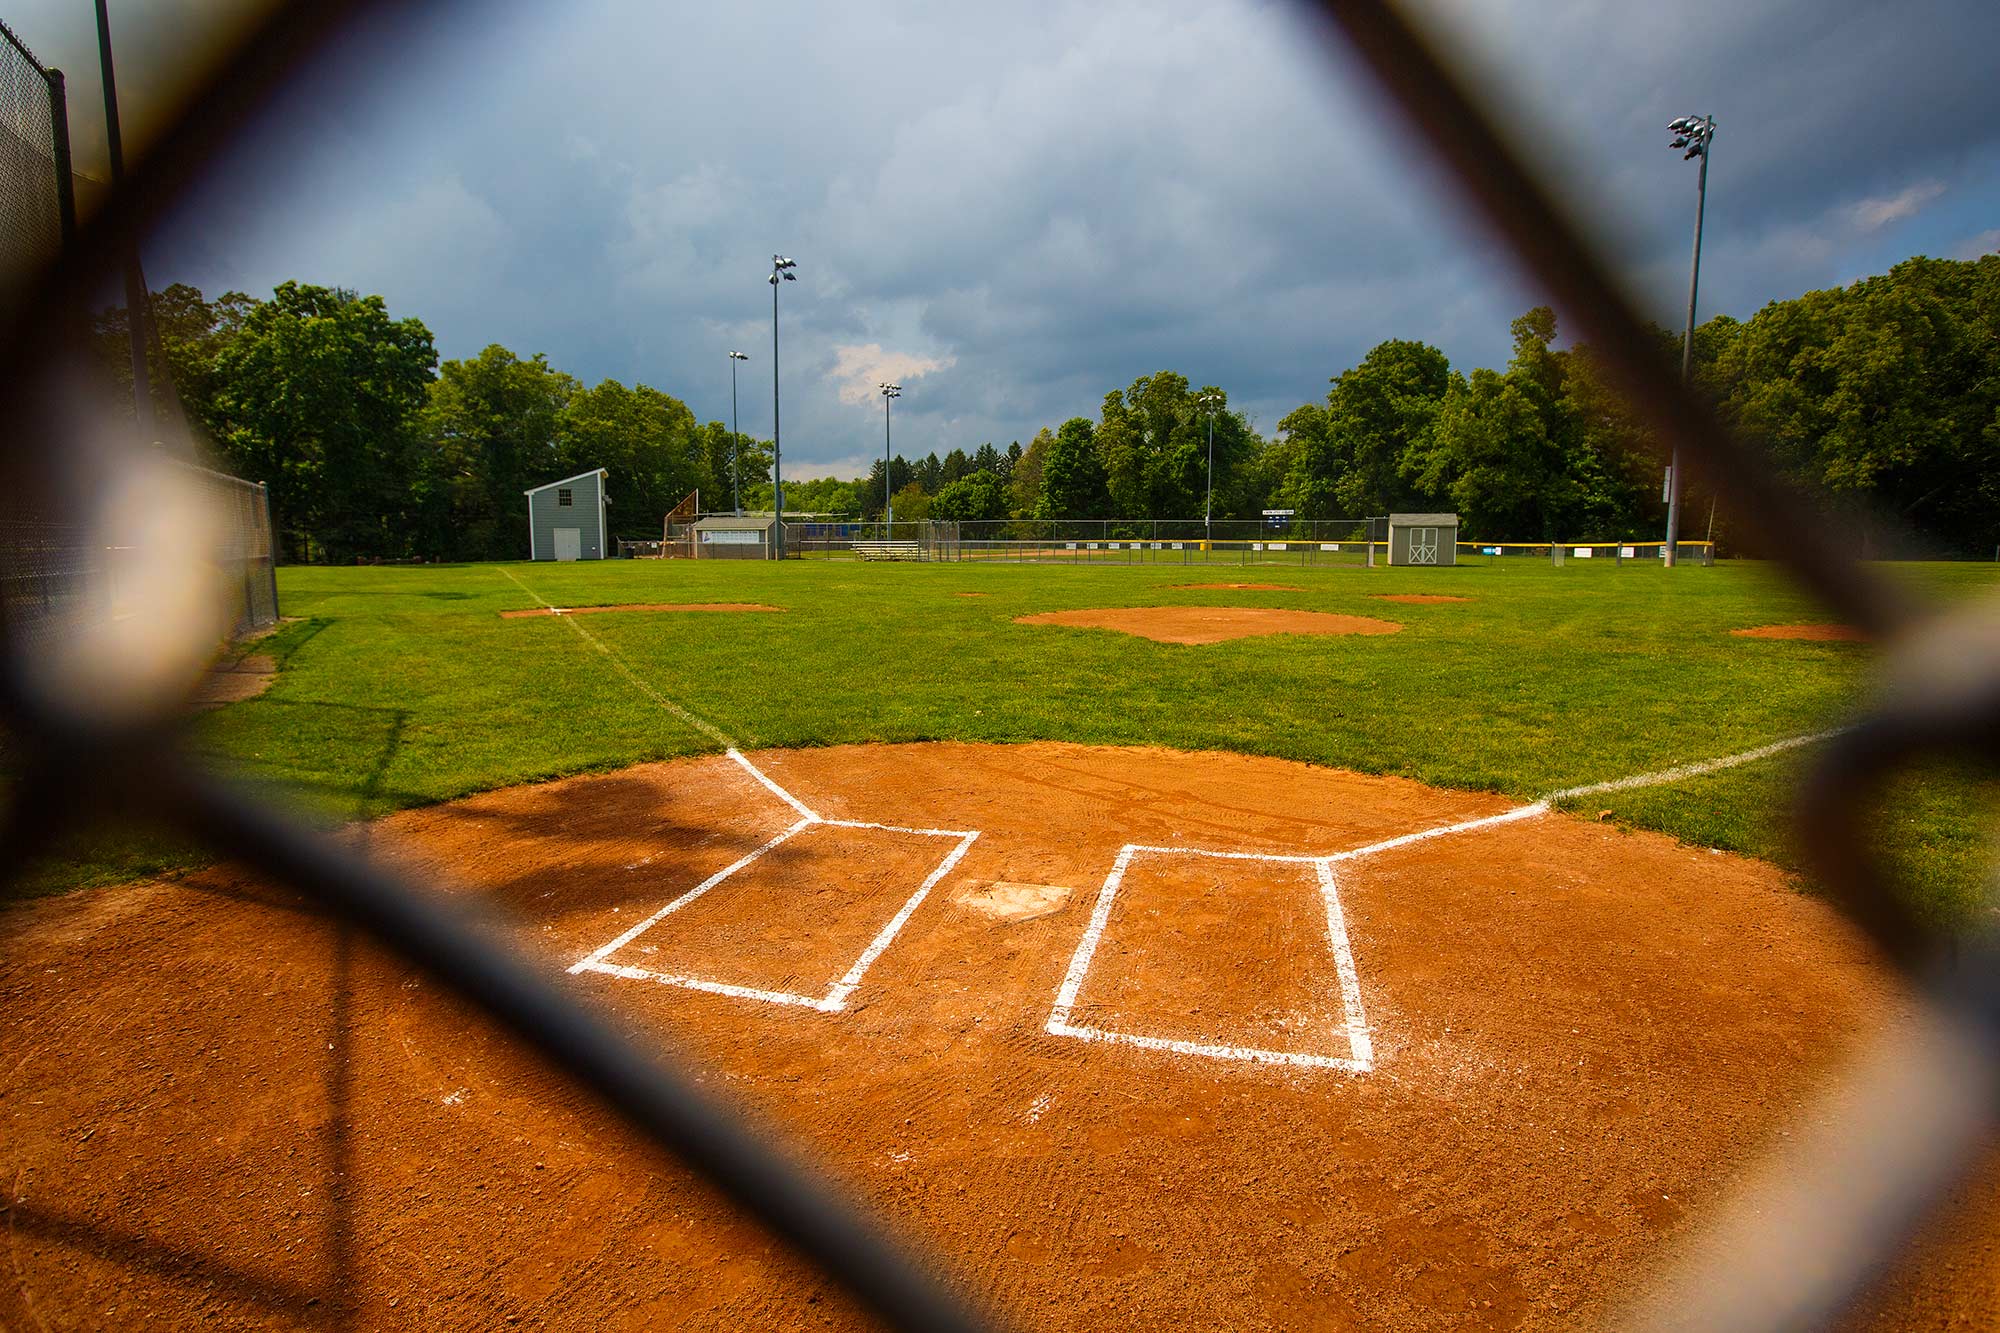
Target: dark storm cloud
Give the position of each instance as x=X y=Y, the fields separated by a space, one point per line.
x=1015 y=208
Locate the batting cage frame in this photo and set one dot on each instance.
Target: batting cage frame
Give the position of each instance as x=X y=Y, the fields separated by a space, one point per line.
x=1817 y=1246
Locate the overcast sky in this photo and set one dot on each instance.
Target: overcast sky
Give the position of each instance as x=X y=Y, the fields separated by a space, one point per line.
x=1014 y=208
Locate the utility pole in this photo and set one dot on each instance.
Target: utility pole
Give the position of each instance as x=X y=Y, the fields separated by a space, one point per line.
x=1695 y=134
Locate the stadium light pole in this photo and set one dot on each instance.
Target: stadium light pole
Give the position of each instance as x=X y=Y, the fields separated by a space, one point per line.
x=1694 y=134
x=781 y=267
x=1211 y=401
x=735 y=436
x=888 y=391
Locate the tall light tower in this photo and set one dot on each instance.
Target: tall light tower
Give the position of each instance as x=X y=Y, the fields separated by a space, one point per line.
x=1695 y=134
x=735 y=435
x=1212 y=402
x=888 y=391
x=781 y=267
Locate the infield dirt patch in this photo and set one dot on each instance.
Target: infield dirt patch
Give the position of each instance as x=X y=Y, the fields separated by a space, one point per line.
x=1242 y=587
x=1812 y=633
x=222 y=1109
x=639 y=606
x=1209 y=624
x=1417 y=598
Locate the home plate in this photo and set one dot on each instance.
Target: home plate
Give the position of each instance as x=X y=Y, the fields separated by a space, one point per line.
x=1005 y=900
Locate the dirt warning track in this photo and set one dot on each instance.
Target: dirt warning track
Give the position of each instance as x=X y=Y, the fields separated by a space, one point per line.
x=218 y=1109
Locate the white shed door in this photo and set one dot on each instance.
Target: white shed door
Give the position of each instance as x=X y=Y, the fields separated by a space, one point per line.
x=569 y=543
x=1423 y=546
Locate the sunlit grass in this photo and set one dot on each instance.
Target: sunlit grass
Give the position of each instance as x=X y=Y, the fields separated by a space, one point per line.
x=402 y=686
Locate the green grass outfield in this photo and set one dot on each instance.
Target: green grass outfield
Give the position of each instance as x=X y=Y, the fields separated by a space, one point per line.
x=401 y=686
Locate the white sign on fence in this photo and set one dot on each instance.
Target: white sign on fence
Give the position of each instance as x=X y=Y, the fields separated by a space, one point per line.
x=1329 y=546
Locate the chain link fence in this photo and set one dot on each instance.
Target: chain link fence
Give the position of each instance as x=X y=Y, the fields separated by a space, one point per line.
x=1798 y=1248
x=36 y=195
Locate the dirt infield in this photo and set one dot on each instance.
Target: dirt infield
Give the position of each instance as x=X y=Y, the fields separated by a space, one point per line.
x=1417 y=598
x=1811 y=633
x=638 y=606
x=1242 y=587
x=220 y=1110
x=1208 y=624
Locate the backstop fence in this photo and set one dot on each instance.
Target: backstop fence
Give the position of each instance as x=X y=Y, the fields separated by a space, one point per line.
x=37 y=200
x=1791 y=1250
x=242 y=549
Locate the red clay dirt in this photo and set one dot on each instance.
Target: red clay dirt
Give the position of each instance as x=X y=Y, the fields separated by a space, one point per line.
x=1209 y=624
x=1243 y=587
x=970 y=594
x=1811 y=633
x=220 y=1109
x=639 y=606
x=1417 y=598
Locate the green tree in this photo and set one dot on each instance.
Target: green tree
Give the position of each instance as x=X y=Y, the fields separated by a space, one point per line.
x=1381 y=413
x=646 y=441
x=1024 y=483
x=979 y=496
x=1073 y=484
x=1884 y=397
x=911 y=504
x=491 y=430
x=316 y=393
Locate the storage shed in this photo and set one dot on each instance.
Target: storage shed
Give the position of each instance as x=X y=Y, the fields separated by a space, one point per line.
x=726 y=538
x=1423 y=539
x=566 y=518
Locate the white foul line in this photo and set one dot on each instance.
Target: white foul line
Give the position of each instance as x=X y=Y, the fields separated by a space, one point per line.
x=707 y=729
x=1693 y=770
x=807 y=814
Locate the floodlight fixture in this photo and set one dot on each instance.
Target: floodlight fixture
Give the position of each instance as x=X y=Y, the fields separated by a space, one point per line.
x=1695 y=134
x=735 y=435
x=1211 y=401
x=780 y=265
x=887 y=391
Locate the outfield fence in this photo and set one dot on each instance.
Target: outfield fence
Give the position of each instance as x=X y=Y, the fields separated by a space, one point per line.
x=1313 y=543
x=1792 y=1249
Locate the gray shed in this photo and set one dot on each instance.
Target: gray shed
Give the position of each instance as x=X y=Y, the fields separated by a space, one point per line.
x=1423 y=539
x=566 y=518
x=726 y=538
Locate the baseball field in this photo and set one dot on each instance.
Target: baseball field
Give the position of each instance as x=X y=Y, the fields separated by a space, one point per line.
x=1274 y=948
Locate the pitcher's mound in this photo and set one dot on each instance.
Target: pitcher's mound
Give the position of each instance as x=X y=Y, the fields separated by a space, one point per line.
x=639 y=606
x=1209 y=624
x=1812 y=633
x=1418 y=598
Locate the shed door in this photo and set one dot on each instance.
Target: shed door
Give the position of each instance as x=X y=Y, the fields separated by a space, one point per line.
x=1423 y=546
x=569 y=543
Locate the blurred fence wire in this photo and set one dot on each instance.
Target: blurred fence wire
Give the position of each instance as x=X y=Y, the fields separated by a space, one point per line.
x=81 y=697
x=37 y=205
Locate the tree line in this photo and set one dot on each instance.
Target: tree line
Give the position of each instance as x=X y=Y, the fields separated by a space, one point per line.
x=1881 y=400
